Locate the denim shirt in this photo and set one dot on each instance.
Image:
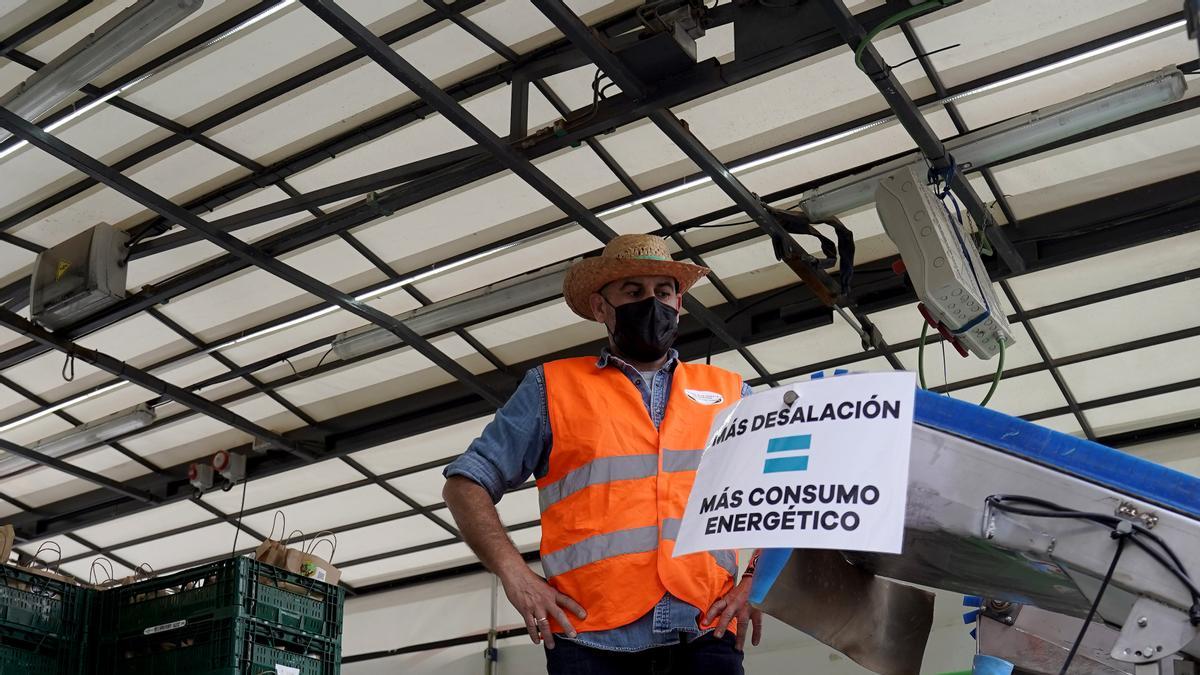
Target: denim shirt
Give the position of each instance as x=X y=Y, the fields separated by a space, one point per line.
x=516 y=445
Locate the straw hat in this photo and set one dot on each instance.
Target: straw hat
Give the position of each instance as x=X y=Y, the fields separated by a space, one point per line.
x=628 y=255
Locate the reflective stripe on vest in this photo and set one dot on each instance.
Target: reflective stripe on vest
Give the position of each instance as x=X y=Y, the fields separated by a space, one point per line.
x=599 y=547
x=675 y=461
x=726 y=559
x=599 y=470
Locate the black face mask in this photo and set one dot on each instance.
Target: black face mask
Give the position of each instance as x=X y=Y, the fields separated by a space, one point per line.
x=645 y=330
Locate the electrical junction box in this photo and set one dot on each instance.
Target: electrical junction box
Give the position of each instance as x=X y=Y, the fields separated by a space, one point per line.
x=79 y=277
x=940 y=256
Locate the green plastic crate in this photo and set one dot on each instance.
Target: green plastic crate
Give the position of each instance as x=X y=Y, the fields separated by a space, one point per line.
x=236 y=646
x=41 y=605
x=32 y=654
x=238 y=587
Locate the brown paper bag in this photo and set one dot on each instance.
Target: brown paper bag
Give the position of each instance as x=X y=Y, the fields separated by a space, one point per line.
x=271 y=552
x=7 y=537
x=314 y=567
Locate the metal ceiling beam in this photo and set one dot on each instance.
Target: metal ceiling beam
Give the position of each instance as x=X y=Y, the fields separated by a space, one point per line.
x=791 y=253
x=918 y=128
x=697 y=85
x=450 y=404
x=242 y=250
x=140 y=377
x=388 y=59
x=43 y=22
x=109 y=484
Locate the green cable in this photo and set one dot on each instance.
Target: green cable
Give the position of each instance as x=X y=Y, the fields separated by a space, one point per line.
x=999 y=374
x=896 y=18
x=921 y=365
x=921 y=353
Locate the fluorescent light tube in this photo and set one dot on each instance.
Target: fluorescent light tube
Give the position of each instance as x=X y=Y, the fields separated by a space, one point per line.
x=481 y=303
x=137 y=417
x=1004 y=140
x=112 y=42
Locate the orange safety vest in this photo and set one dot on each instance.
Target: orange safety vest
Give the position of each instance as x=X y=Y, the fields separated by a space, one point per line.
x=616 y=490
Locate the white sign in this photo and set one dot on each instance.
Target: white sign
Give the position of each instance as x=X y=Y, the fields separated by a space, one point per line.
x=827 y=469
x=286 y=670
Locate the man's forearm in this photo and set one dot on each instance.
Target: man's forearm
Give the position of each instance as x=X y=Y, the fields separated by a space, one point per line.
x=477 y=519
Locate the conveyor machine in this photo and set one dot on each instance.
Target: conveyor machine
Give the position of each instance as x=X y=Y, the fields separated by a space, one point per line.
x=1030 y=521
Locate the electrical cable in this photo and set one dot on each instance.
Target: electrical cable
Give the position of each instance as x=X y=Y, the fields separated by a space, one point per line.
x=898 y=17
x=1170 y=561
x=921 y=365
x=1087 y=622
x=238 y=528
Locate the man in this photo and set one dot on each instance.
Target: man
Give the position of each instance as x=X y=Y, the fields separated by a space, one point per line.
x=614 y=444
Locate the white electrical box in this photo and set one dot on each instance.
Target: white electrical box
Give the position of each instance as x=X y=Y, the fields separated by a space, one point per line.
x=939 y=254
x=79 y=277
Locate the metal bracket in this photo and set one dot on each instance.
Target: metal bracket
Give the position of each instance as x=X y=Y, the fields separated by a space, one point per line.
x=1130 y=511
x=1153 y=632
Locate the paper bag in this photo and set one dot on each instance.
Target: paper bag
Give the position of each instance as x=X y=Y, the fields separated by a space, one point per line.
x=7 y=535
x=314 y=567
x=271 y=552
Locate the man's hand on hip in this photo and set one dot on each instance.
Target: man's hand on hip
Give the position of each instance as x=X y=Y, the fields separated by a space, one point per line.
x=736 y=605
x=537 y=601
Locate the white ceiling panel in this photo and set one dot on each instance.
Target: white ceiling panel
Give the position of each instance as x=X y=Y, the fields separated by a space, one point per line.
x=106 y=133
x=335 y=510
x=441 y=557
x=195 y=369
x=519 y=507
x=571 y=243
x=182 y=173
x=200 y=436
x=1019 y=395
x=120 y=398
x=378 y=379
x=1121 y=320
x=1147 y=412
x=13 y=263
x=830 y=88
x=1133 y=371
x=270 y=51
x=31 y=432
x=144 y=524
x=257 y=295
x=185 y=547
x=12 y=403
x=809 y=347
x=731 y=360
x=434 y=445
x=385 y=537
x=1005 y=33
x=423 y=486
x=1106 y=272
x=1067 y=424
x=96 y=569
x=53 y=549
x=1076 y=79
x=286 y=485
x=554 y=324
x=1085 y=171
x=139 y=340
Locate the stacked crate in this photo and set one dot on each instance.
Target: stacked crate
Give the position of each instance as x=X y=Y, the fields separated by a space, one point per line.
x=233 y=617
x=43 y=624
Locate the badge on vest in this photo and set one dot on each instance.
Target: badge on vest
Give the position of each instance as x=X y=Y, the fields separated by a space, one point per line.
x=704 y=397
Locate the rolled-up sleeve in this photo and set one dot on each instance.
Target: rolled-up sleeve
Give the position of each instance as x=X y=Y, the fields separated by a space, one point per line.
x=513 y=446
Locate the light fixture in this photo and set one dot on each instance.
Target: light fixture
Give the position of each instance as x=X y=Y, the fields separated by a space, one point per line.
x=137 y=417
x=465 y=309
x=80 y=110
x=1010 y=138
x=112 y=42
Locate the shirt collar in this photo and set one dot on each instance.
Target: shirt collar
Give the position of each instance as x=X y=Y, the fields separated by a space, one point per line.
x=607 y=356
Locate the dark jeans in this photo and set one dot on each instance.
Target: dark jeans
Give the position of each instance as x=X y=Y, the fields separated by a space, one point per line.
x=705 y=655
